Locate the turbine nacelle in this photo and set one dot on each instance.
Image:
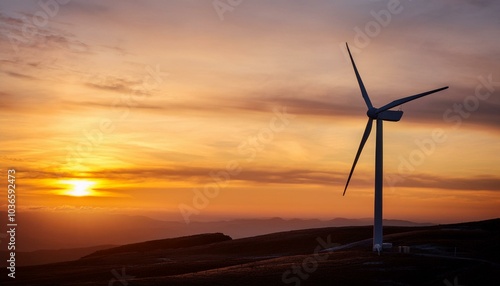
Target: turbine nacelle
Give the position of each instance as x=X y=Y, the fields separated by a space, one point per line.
x=387 y=115
x=390 y=115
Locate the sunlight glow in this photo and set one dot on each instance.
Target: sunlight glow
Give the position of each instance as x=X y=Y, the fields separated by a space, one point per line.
x=79 y=188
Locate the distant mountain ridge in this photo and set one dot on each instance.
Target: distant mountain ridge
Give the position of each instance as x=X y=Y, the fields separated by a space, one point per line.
x=71 y=230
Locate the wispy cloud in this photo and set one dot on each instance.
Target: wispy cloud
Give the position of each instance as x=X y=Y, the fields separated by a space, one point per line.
x=271 y=175
x=115 y=84
x=474 y=183
x=19 y=75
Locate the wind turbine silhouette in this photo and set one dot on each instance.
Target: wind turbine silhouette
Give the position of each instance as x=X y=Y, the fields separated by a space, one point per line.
x=380 y=114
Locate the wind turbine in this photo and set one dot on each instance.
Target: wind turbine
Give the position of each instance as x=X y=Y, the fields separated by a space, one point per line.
x=380 y=114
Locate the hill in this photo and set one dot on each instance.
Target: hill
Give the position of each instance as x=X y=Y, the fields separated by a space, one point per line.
x=163 y=244
x=458 y=254
x=39 y=257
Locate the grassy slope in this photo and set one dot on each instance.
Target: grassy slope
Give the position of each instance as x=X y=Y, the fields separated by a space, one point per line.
x=263 y=260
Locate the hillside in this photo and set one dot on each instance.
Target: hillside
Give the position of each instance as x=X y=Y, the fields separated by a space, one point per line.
x=468 y=253
x=163 y=244
x=39 y=257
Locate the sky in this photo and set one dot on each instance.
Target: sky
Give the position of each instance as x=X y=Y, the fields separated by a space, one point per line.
x=207 y=110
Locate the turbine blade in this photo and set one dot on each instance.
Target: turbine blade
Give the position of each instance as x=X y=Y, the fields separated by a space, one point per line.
x=368 y=129
x=360 y=82
x=406 y=99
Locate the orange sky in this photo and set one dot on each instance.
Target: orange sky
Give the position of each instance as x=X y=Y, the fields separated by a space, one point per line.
x=140 y=107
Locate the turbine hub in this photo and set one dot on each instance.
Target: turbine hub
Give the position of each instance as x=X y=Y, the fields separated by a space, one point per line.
x=372 y=113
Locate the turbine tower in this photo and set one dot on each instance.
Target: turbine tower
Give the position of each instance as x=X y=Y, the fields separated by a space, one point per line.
x=380 y=114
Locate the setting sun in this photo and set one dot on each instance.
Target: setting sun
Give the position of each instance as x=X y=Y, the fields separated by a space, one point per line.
x=79 y=188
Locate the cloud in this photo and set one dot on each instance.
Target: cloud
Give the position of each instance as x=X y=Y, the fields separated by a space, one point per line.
x=18 y=38
x=88 y=7
x=202 y=175
x=20 y=75
x=427 y=181
x=116 y=84
x=273 y=175
x=71 y=208
x=438 y=109
x=10 y=21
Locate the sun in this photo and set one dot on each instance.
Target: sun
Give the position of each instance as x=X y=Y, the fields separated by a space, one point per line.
x=79 y=188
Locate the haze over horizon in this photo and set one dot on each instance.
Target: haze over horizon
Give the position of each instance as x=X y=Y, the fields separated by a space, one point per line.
x=180 y=111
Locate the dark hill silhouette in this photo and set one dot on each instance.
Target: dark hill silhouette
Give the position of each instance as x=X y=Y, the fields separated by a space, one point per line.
x=39 y=257
x=468 y=252
x=490 y=224
x=163 y=244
